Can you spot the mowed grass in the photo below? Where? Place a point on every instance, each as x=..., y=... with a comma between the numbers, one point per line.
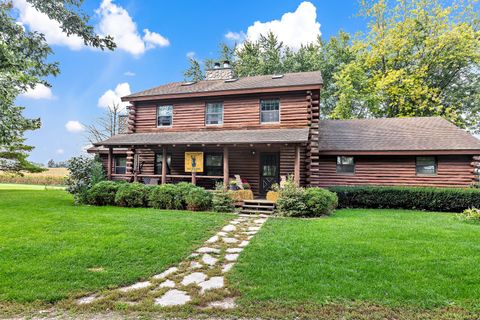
x=15, y=186
x=51, y=249
x=391, y=258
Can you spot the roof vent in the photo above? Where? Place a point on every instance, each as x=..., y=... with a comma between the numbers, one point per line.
x=231, y=80
x=216, y=65
x=189, y=83
x=277, y=76
x=226, y=64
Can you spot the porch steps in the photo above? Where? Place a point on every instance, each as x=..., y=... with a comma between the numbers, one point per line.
x=258, y=207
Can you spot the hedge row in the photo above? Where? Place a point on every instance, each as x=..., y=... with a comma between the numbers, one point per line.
x=416, y=198
x=181, y=196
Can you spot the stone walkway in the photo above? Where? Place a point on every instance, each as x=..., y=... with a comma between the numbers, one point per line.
x=199, y=280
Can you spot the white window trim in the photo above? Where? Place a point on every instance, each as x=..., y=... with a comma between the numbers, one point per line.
x=223, y=115
x=156, y=118
x=279, y=112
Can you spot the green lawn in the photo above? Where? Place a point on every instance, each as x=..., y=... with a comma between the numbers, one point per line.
x=15, y=186
x=48, y=245
x=391, y=258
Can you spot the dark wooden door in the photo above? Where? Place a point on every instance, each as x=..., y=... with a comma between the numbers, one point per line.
x=269, y=170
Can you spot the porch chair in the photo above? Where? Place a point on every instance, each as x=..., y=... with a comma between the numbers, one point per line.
x=151, y=181
x=283, y=180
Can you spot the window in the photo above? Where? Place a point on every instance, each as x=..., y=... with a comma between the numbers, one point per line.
x=345, y=165
x=158, y=163
x=120, y=165
x=164, y=116
x=269, y=110
x=213, y=164
x=426, y=165
x=214, y=113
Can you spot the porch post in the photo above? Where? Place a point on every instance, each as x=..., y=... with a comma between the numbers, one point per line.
x=296, y=172
x=109, y=164
x=130, y=170
x=164, y=164
x=225, y=167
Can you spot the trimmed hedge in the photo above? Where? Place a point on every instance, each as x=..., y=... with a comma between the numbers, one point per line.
x=132, y=195
x=103, y=193
x=415, y=198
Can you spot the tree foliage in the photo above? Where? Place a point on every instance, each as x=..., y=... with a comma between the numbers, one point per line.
x=417, y=58
x=24, y=65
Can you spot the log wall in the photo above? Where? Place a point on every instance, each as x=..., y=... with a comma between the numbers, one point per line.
x=240, y=112
x=452, y=171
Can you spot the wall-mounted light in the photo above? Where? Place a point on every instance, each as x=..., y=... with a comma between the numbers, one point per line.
x=253, y=152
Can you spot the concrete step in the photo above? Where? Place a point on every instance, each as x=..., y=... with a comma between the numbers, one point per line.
x=244, y=211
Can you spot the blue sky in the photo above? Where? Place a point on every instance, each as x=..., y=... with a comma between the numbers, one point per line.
x=174, y=29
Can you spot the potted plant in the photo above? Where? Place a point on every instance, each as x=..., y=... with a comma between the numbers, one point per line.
x=233, y=185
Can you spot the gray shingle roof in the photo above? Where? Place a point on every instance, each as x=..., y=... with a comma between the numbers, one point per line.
x=394, y=134
x=209, y=137
x=255, y=82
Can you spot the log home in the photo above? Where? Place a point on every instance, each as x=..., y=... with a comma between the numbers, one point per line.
x=264, y=127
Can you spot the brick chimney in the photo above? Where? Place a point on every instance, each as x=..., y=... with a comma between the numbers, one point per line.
x=219, y=72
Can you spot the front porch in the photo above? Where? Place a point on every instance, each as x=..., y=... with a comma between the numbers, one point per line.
x=258, y=165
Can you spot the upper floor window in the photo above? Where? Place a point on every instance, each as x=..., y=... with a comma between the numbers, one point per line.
x=214, y=113
x=120, y=165
x=269, y=110
x=426, y=165
x=345, y=164
x=165, y=116
x=159, y=163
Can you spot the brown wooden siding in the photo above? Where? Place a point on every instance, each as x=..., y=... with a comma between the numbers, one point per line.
x=239, y=112
x=243, y=160
x=453, y=171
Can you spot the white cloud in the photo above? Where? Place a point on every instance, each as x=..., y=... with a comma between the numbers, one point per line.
x=40, y=22
x=74, y=126
x=235, y=36
x=190, y=54
x=60, y=151
x=293, y=28
x=40, y=91
x=111, y=97
x=116, y=21
x=129, y=74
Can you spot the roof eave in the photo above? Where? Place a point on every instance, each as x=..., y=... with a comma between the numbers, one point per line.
x=401, y=152
x=133, y=98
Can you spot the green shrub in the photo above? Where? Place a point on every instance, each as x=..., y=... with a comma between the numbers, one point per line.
x=183, y=189
x=291, y=200
x=84, y=172
x=470, y=215
x=198, y=199
x=165, y=196
x=417, y=198
x=103, y=193
x=320, y=202
x=132, y=195
x=222, y=201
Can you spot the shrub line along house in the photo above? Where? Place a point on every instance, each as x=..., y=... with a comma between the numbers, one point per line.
x=265, y=127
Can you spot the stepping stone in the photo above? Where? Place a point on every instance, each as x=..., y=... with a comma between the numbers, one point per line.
x=228, y=303
x=208, y=259
x=195, y=277
x=173, y=298
x=167, y=284
x=229, y=228
x=229, y=240
x=208, y=250
x=251, y=233
x=244, y=243
x=250, y=237
x=231, y=257
x=212, y=283
x=195, y=265
x=235, y=222
x=227, y=267
x=194, y=255
x=260, y=221
x=234, y=250
x=222, y=234
x=253, y=228
x=212, y=239
x=166, y=273
x=87, y=300
x=136, y=286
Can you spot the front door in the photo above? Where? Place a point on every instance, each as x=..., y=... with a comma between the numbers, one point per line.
x=269, y=171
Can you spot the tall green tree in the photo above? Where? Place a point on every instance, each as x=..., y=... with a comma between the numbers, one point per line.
x=418, y=58
x=24, y=65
